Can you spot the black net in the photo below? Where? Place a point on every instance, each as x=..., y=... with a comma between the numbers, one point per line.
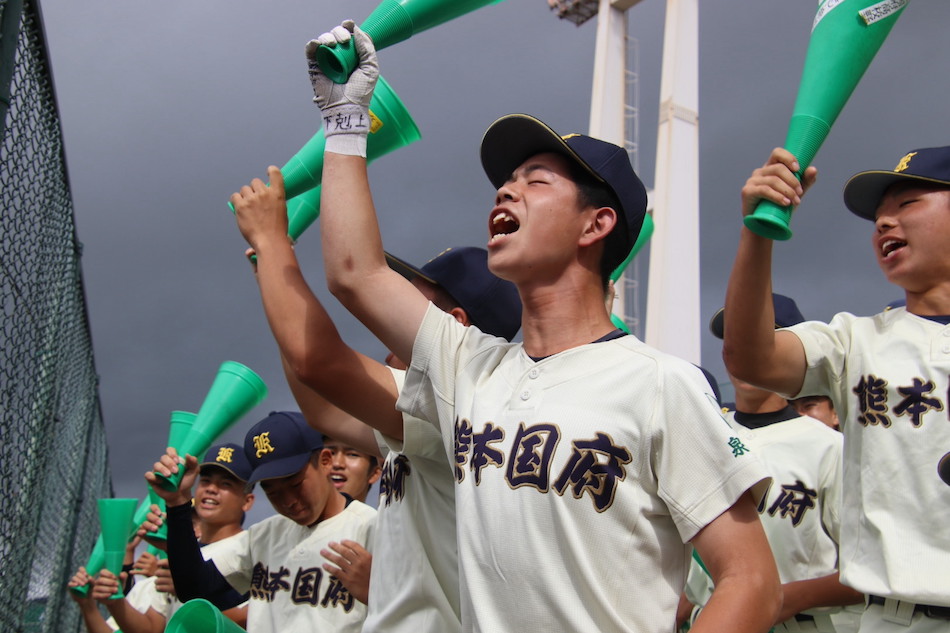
x=53, y=457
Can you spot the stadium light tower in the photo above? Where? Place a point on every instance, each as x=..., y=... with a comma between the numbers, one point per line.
x=673, y=318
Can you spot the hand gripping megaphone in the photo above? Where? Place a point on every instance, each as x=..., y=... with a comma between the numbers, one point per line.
x=235, y=391
x=391, y=128
x=845, y=37
x=115, y=520
x=391, y=22
x=180, y=423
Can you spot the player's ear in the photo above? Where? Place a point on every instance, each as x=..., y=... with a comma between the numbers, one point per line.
x=461, y=316
x=248, y=502
x=374, y=474
x=325, y=458
x=599, y=225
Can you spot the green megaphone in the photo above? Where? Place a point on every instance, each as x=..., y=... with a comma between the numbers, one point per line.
x=94, y=564
x=180, y=423
x=845, y=37
x=392, y=127
x=115, y=519
x=391, y=22
x=200, y=616
x=646, y=232
x=235, y=391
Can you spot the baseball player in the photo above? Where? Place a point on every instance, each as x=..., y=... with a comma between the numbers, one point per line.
x=222, y=498
x=800, y=510
x=278, y=559
x=568, y=449
x=353, y=471
x=887, y=374
x=414, y=585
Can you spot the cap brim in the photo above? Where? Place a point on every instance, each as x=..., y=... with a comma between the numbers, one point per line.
x=279, y=468
x=864, y=191
x=406, y=269
x=716, y=323
x=514, y=138
x=222, y=467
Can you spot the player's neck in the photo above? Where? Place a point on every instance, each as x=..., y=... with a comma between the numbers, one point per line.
x=934, y=301
x=560, y=316
x=213, y=533
x=758, y=401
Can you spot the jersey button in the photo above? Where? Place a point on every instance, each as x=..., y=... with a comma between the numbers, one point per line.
x=525, y=395
x=534, y=373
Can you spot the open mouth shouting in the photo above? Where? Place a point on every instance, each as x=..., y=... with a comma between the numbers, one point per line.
x=502, y=223
x=889, y=246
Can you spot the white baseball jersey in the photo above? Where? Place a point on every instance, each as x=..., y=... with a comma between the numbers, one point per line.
x=800, y=511
x=144, y=594
x=279, y=562
x=580, y=477
x=889, y=376
x=414, y=583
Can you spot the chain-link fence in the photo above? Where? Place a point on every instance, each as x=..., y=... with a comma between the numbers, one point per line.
x=53, y=459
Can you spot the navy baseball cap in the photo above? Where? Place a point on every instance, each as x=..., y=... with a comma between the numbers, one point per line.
x=229, y=457
x=514, y=138
x=280, y=445
x=927, y=166
x=492, y=304
x=786, y=314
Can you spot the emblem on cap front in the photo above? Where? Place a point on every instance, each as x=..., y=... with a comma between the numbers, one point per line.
x=262, y=444
x=225, y=454
x=904, y=162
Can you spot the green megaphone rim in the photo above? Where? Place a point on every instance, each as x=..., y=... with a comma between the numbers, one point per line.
x=236, y=390
x=200, y=616
x=391, y=22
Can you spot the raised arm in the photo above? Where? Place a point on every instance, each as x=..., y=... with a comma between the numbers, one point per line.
x=326, y=375
x=752, y=350
x=355, y=265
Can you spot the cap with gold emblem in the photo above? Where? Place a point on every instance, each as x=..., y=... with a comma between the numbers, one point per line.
x=929, y=166
x=280, y=445
x=229, y=457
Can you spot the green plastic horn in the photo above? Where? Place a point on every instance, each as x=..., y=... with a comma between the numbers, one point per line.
x=646, y=232
x=115, y=519
x=391, y=128
x=845, y=38
x=235, y=391
x=180, y=423
x=200, y=616
x=302, y=211
x=392, y=22
x=94, y=564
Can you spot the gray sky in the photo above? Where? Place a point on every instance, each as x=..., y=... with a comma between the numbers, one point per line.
x=168, y=108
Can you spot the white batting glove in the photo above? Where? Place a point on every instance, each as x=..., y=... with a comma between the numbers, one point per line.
x=345, y=107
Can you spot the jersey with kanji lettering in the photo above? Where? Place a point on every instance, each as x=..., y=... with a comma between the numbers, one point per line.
x=414, y=581
x=888, y=376
x=279, y=562
x=800, y=511
x=580, y=477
